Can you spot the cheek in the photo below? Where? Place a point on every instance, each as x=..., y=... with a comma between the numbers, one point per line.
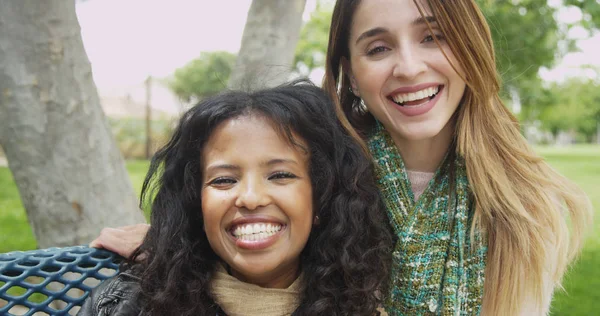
x=445, y=66
x=371, y=78
x=303, y=211
x=457, y=85
x=213, y=211
x=367, y=73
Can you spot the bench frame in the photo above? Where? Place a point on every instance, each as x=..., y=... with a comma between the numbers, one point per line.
x=59, y=274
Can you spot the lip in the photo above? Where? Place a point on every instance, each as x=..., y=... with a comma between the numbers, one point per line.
x=258, y=244
x=414, y=88
x=421, y=109
x=255, y=244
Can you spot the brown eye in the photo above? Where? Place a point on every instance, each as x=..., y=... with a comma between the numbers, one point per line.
x=222, y=181
x=376, y=50
x=282, y=175
x=429, y=38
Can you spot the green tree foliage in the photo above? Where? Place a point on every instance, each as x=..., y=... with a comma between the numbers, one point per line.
x=312, y=46
x=573, y=105
x=591, y=11
x=204, y=76
x=526, y=38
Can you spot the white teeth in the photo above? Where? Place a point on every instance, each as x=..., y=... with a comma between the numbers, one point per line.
x=256, y=231
x=421, y=94
x=254, y=237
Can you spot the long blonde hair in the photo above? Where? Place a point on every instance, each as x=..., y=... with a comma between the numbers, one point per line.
x=521, y=203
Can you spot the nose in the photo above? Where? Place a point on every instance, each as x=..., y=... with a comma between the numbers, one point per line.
x=252, y=194
x=409, y=63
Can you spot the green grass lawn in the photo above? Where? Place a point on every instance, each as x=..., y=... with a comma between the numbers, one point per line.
x=582, y=284
x=15, y=233
x=580, y=163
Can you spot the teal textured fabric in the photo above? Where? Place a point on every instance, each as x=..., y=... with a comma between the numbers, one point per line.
x=438, y=269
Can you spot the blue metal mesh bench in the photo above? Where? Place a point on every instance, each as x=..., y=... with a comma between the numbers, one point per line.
x=53, y=281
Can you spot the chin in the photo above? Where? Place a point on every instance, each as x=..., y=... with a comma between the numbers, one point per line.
x=254, y=271
x=419, y=133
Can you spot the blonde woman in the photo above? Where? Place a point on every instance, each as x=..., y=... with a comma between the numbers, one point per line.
x=480, y=218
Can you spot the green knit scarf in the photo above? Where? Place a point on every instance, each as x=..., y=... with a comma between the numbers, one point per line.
x=437, y=269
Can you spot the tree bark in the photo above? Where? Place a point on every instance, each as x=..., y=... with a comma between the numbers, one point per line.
x=70, y=174
x=268, y=44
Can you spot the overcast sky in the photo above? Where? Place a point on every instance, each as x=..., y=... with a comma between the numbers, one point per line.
x=128, y=40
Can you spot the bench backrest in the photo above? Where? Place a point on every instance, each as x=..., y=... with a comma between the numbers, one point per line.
x=53, y=281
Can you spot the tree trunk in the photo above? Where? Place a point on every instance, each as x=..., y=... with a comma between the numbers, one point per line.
x=268, y=44
x=70, y=174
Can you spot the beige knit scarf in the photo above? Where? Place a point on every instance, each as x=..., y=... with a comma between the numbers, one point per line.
x=237, y=298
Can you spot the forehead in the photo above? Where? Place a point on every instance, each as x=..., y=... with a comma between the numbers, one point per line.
x=251, y=136
x=391, y=14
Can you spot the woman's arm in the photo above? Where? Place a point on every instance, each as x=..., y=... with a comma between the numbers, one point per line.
x=122, y=240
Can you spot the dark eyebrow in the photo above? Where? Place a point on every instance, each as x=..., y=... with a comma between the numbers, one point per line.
x=378, y=30
x=236, y=168
x=421, y=20
x=223, y=166
x=370, y=33
x=280, y=161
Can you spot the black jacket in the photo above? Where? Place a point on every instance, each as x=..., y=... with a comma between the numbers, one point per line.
x=117, y=296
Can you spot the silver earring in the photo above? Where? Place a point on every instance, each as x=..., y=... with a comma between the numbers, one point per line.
x=362, y=106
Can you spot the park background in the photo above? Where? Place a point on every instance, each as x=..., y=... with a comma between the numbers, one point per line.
x=152, y=59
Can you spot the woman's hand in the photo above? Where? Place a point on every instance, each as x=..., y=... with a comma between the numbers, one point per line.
x=122, y=240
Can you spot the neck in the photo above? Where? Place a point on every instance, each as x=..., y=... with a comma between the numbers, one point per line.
x=424, y=155
x=279, y=280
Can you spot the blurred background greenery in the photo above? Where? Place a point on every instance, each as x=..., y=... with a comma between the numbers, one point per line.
x=559, y=110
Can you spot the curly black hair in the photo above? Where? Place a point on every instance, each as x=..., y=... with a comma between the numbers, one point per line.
x=346, y=260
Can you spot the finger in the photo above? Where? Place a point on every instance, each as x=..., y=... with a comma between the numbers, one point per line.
x=109, y=239
x=98, y=242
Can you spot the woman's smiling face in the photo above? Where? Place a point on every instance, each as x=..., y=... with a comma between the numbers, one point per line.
x=256, y=200
x=398, y=70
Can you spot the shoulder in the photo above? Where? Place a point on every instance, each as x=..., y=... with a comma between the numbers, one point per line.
x=115, y=296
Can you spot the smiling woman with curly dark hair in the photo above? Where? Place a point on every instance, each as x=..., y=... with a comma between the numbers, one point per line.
x=261, y=204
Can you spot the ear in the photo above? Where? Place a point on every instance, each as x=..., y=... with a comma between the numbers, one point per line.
x=348, y=72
